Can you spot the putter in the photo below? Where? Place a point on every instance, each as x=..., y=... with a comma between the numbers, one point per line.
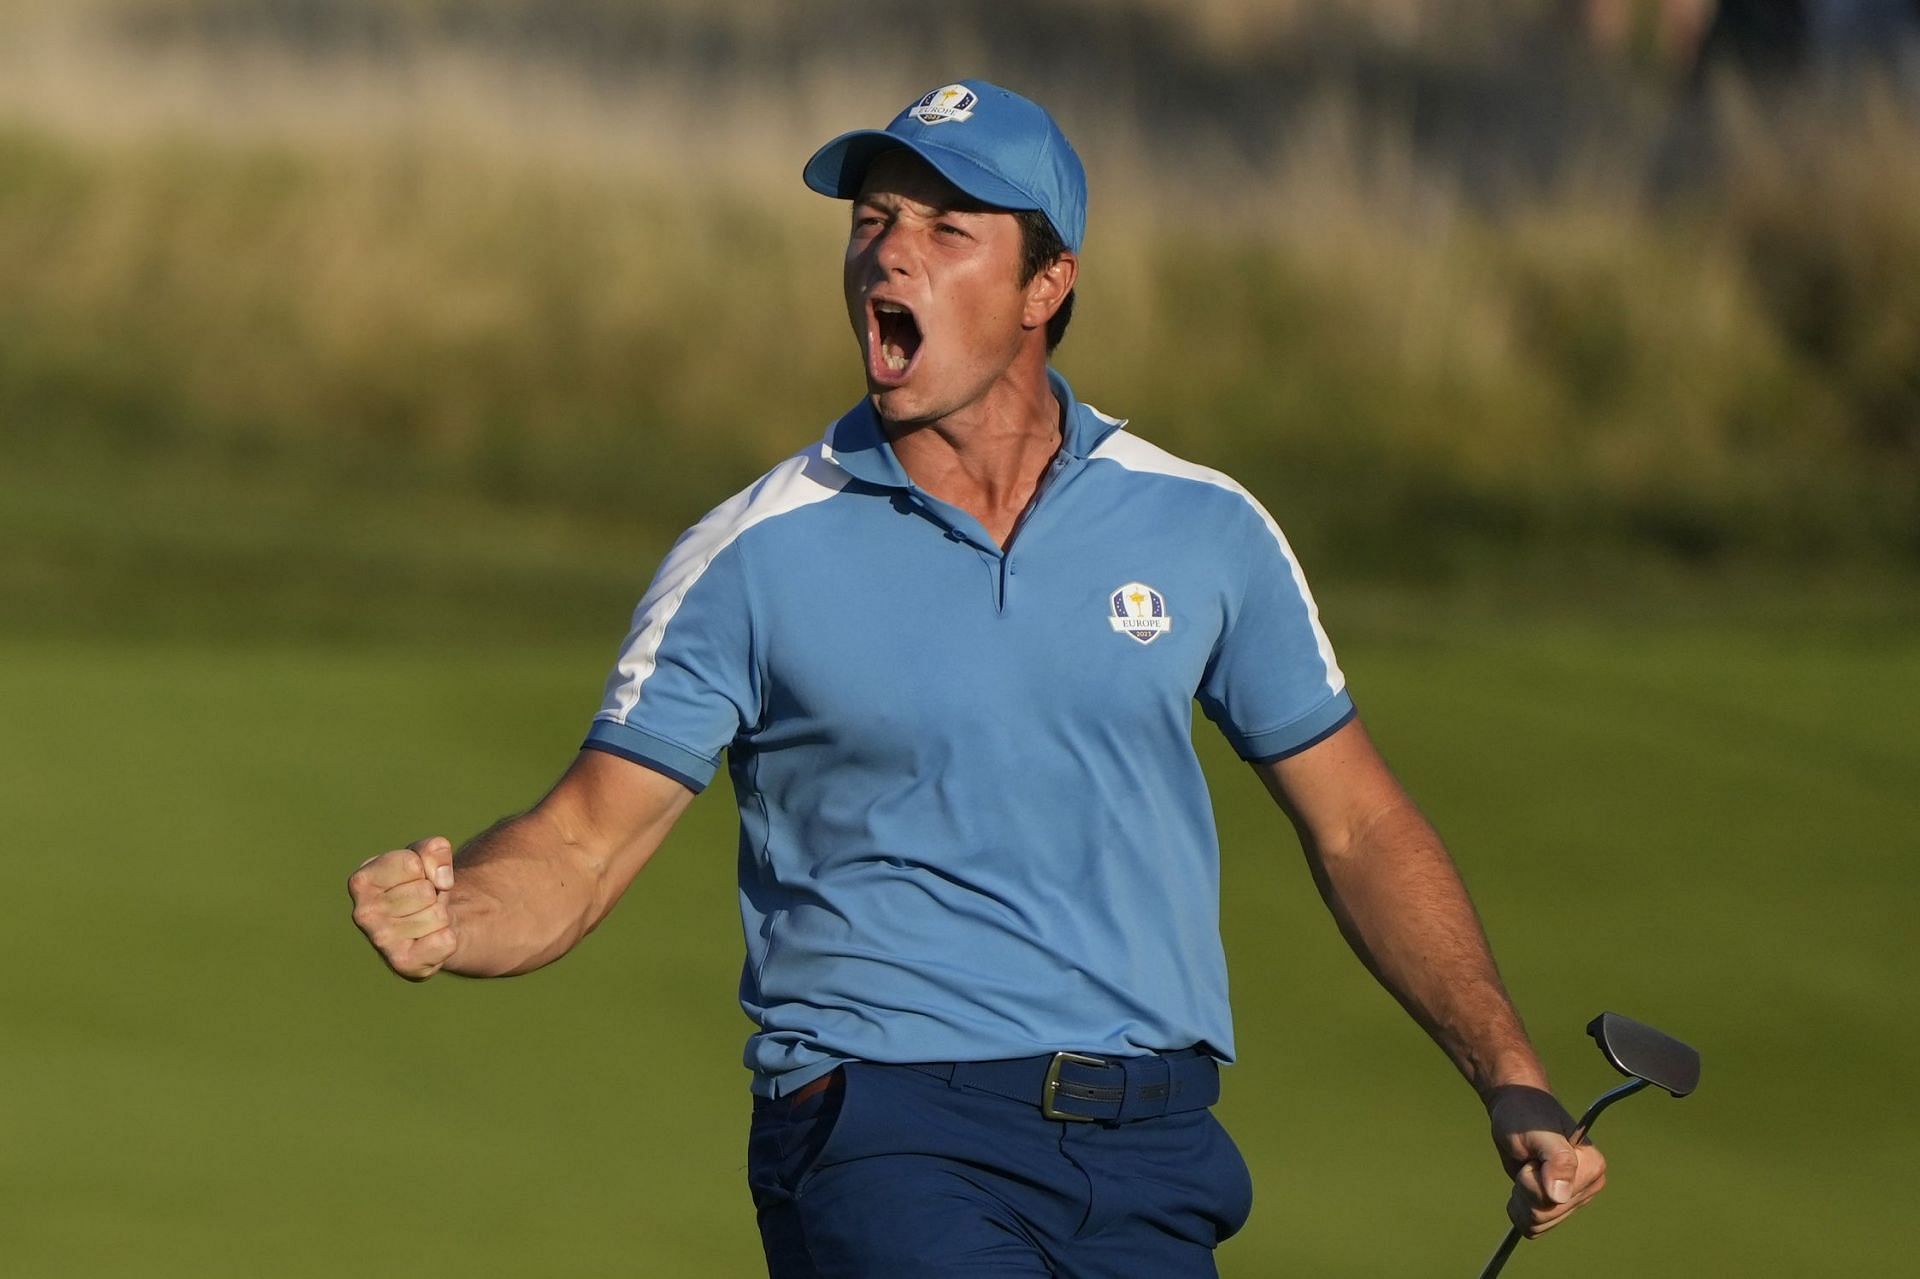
x=1645, y=1056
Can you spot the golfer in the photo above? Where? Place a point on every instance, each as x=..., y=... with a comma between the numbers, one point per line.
x=949, y=653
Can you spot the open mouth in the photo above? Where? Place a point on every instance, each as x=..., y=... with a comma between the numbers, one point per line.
x=896, y=338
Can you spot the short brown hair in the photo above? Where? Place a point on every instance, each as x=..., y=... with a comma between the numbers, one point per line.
x=1040, y=246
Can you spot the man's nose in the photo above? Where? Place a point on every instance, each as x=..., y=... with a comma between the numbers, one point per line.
x=896, y=252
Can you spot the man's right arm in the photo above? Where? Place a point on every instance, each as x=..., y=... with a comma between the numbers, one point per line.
x=524, y=892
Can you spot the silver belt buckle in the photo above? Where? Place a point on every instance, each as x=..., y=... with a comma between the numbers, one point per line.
x=1051, y=1088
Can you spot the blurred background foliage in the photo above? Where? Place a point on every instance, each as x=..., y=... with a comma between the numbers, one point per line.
x=1457, y=290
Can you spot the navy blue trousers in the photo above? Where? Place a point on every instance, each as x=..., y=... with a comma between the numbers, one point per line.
x=892, y=1172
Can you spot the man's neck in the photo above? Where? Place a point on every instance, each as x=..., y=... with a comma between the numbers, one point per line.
x=987, y=459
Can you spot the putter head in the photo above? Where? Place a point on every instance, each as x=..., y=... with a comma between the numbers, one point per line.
x=1644, y=1053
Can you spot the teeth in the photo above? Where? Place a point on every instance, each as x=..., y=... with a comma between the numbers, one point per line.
x=891, y=354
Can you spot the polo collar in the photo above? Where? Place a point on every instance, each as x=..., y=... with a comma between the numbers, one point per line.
x=858, y=444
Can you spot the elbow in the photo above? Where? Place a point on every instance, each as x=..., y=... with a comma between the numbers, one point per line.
x=581, y=870
x=597, y=890
x=1365, y=832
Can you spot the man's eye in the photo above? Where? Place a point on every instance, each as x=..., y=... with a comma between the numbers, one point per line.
x=948, y=228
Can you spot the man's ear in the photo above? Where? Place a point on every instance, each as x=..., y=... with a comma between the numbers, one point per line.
x=1049, y=288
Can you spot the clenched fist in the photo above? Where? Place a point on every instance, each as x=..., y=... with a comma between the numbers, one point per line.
x=402, y=900
x=1551, y=1175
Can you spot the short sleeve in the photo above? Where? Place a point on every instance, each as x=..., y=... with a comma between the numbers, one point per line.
x=685, y=683
x=1272, y=684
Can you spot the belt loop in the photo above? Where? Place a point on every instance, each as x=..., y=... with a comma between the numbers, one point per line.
x=1149, y=1087
x=954, y=1072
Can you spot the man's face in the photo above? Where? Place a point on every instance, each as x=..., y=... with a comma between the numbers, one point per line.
x=933, y=290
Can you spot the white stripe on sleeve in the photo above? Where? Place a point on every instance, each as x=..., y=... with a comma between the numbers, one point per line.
x=1136, y=454
x=798, y=482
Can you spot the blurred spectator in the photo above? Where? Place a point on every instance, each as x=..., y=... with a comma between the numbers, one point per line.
x=1776, y=38
x=1761, y=39
x=1853, y=30
x=1666, y=33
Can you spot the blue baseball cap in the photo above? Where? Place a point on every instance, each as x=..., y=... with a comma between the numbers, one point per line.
x=990, y=142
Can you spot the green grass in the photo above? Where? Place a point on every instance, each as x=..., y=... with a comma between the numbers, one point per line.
x=1705, y=825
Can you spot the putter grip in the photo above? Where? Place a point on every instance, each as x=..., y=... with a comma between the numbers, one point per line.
x=1579, y=1134
x=1513, y=1231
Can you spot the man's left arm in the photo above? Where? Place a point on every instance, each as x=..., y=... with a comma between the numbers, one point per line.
x=1401, y=905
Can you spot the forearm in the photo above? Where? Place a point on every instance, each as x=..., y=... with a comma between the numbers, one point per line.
x=524, y=894
x=1399, y=901
x=1401, y=905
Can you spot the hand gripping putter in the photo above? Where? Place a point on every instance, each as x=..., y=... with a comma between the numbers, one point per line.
x=1642, y=1054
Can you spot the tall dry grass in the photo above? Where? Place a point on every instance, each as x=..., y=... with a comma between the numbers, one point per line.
x=615, y=297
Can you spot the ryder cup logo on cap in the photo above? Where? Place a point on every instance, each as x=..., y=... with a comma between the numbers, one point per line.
x=1139, y=611
x=955, y=102
x=1011, y=155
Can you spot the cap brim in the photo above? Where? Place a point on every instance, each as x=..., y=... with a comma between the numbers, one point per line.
x=838, y=168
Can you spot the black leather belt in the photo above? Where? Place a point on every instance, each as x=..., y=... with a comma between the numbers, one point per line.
x=1083, y=1088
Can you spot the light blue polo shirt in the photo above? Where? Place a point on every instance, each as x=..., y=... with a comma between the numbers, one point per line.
x=972, y=823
